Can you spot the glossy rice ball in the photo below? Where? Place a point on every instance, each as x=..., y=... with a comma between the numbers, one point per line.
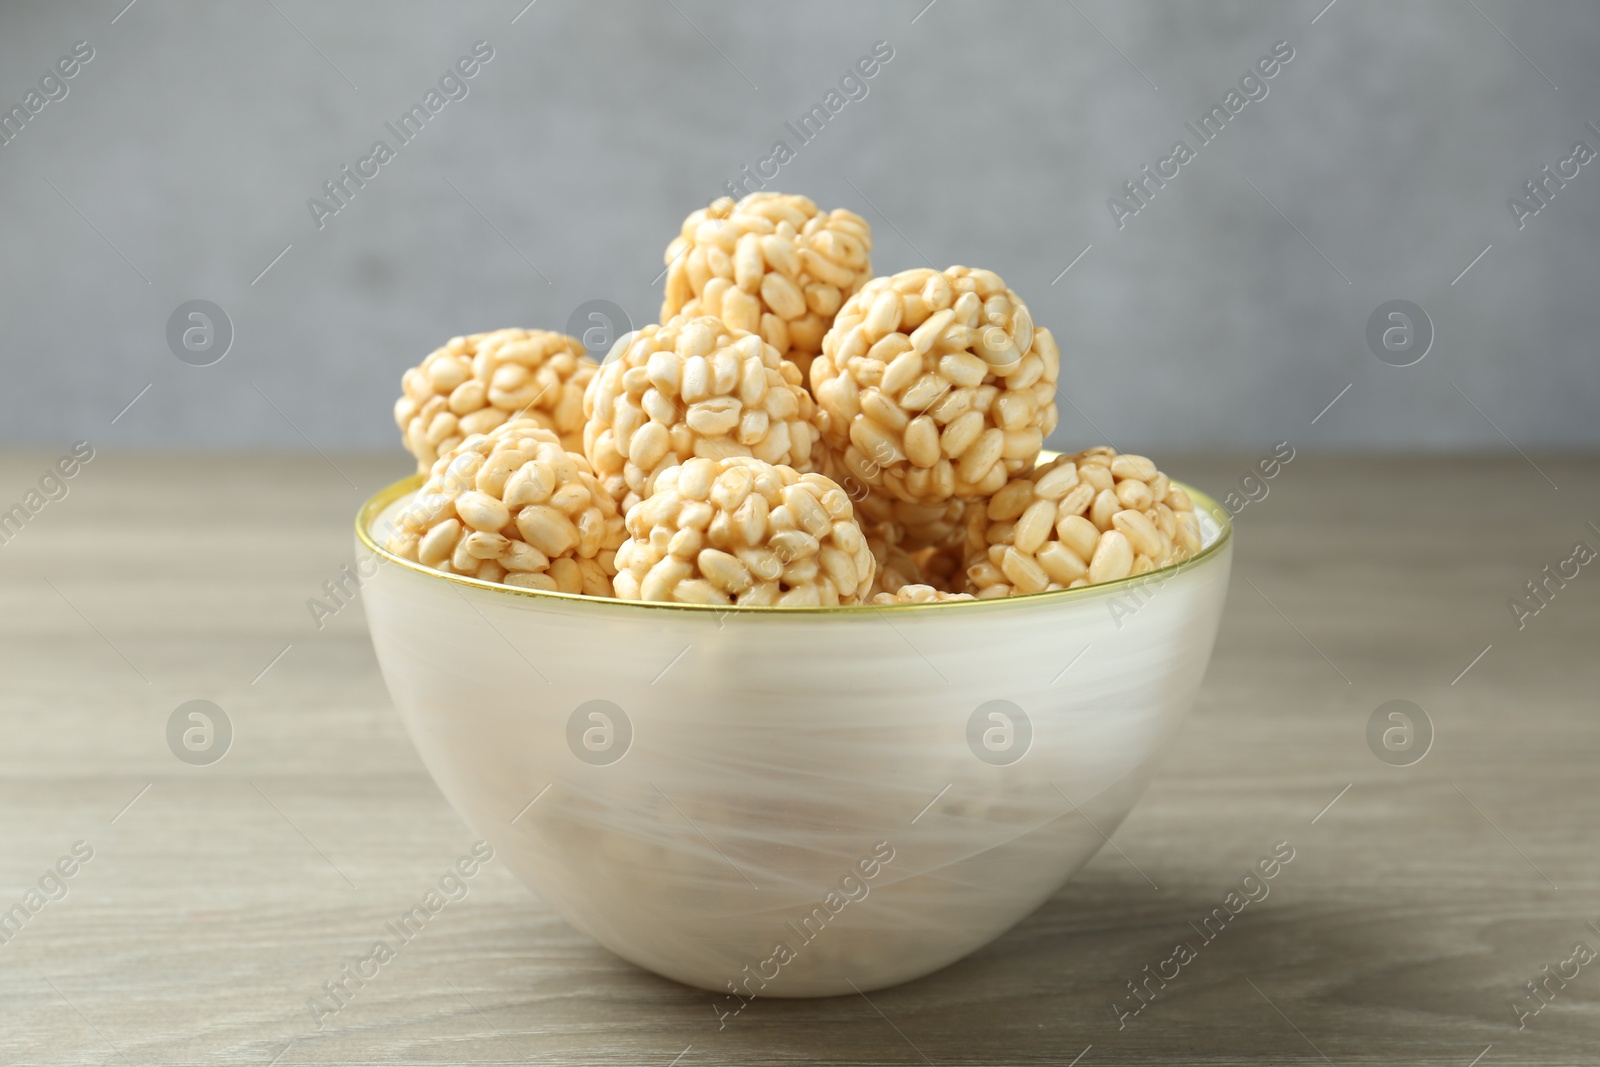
x=513, y=506
x=477, y=382
x=693, y=387
x=1079, y=520
x=742, y=531
x=935, y=385
x=771, y=264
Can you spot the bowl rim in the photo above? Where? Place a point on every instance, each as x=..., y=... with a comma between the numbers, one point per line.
x=383, y=498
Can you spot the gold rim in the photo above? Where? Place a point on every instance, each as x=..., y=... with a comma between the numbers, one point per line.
x=388, y=495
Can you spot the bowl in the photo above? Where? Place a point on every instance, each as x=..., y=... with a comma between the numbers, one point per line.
x=791, y=802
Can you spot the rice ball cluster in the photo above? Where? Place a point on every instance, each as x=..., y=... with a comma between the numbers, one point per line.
x=1079, y=520
x=474, y=383
x=794, y=432
x=742, y=531
x=935, y=386
x=692, y=388
x=514, y=506
x=772, y=264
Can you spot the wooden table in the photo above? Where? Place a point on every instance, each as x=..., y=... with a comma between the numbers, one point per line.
x=220, y=898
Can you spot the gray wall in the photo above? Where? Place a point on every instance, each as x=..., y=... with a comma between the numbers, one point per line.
x=994, y=137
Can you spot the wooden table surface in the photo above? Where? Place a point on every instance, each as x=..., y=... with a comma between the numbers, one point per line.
x=220, y=898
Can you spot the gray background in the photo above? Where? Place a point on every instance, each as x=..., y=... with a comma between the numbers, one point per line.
x=993, y=138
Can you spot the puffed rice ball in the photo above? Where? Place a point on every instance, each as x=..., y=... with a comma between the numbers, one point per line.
x=477, y=382
x=513, y=506
x=935, y=385
x=772, y=264
x=741, y=531
x=919, y=594
x=1079, y=520
x=693, y=387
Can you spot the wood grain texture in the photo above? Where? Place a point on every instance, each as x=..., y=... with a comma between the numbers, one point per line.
x=1415, y=909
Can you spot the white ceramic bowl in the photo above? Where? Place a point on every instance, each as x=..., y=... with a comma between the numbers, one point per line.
x=792, y=802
